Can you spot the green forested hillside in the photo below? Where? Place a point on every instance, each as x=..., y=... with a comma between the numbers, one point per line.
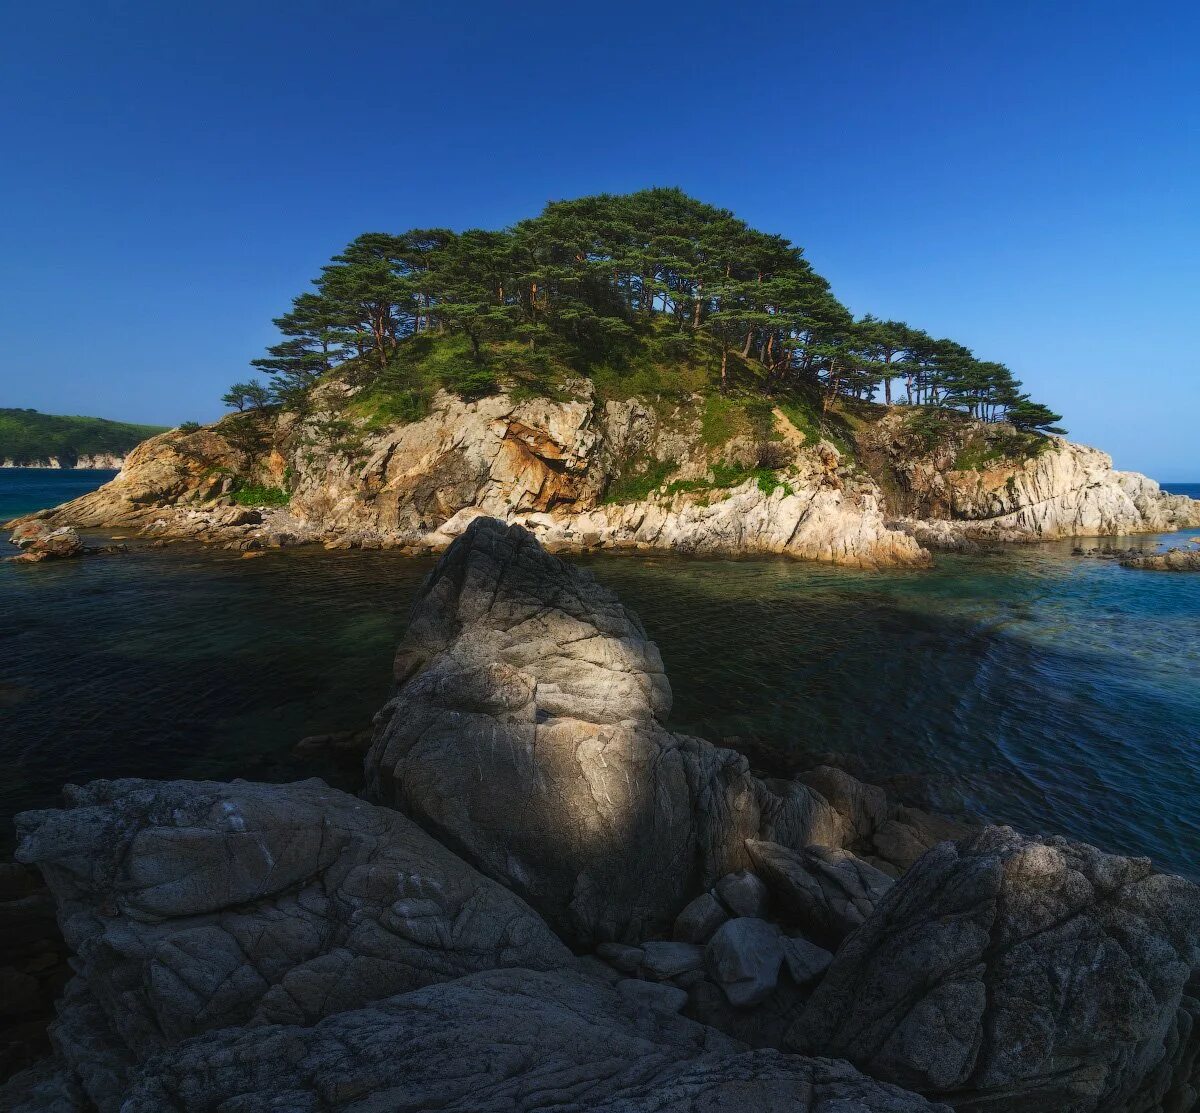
x=27, y=436
x=645, y=293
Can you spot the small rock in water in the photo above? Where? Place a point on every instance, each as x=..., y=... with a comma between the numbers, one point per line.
x=743, y=893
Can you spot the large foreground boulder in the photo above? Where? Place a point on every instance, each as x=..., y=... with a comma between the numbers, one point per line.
x=1004, y=973
x=192, y=906
x=509, y=1040
x=528, y=734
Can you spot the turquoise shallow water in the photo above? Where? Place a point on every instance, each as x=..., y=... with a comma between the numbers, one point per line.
x=1059, y=694
x=23, y=490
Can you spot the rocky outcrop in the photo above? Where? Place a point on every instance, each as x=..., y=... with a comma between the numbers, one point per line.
x=506, y=1040
x=561, y=469
x=1173, y=560
x=528, y=734
x=38, y=541
x=96, y=461
x=193, y=906
x=259, y=948
x=1004, y=972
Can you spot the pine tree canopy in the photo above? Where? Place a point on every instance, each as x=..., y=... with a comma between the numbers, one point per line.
x=615, y=285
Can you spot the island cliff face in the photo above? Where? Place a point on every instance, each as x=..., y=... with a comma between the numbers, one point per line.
x=618, y=474
x=98, y=461
x=552, y=902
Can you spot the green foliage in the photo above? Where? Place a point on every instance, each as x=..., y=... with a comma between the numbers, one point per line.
x=189, y=427
x=651, y=293
x=252, y=494
x=724, y=476
x=639, y=480
x=252, y=395
x=27, y=436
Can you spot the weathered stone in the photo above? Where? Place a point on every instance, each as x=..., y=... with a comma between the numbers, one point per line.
x=667, y=960
x=528, y=681
x=195, y=905
x=621, y=956
x=699, y=919
x=1173, y=560
x=743, y=958
x=825, y=891
x=806, y=962
x=1004, y=972
x=38, y=541
x=502, y=1041
x=654, y=995
x=743, y=894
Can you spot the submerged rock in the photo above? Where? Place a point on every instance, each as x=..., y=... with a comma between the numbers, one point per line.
x=1173, y=560
x=1008, y=973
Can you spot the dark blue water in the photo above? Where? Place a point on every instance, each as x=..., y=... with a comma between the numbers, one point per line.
x=23, y=490
x=1059, y=694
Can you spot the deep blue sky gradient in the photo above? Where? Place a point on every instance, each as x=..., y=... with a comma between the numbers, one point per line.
x=1022, y=177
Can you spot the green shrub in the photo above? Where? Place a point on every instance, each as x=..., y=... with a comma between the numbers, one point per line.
x=252, y=494
x=642, y=477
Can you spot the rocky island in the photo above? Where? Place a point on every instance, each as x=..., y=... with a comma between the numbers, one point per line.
x=547, y=899
x=633, y=372
x=561, y=469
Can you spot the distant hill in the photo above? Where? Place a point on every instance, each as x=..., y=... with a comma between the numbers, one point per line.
x=31, y=438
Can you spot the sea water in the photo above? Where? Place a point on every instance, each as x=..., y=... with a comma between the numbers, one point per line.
x=1026, y=685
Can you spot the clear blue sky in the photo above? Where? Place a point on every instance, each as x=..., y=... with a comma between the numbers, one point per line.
x=1023, y=177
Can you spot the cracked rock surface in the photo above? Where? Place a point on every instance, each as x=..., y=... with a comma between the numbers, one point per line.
x=528, y=736
x=506, y=1040
x=1008, y=973
x=193, y=906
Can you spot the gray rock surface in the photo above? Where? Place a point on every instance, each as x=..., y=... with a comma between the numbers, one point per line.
x=664, y=961
x=510, y=1040
x=1008, y=973
x=527, y=734
x=743, y=894
x=743, y=958
x=805, y=961
x=825, y=891
x=194, y=905
x=699, y=919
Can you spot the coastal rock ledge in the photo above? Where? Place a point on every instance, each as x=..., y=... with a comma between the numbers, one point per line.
x=628, y=474
x=551, y=901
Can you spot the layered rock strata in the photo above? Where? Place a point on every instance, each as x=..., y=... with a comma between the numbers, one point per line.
x=562, y=469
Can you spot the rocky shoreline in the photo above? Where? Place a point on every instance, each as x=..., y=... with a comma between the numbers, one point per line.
x=587, y=474
x=547, y=899
x=102, y=461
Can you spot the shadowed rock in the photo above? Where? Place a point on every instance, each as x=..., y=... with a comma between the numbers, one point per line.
x=508, y=1040
x=822, y=890
x=528, y=735
x=195, y=905
x=1008, y=973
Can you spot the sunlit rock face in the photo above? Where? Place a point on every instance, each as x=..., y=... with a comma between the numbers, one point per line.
x=528, y=734
x=192, y=905
x=1003, y=972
